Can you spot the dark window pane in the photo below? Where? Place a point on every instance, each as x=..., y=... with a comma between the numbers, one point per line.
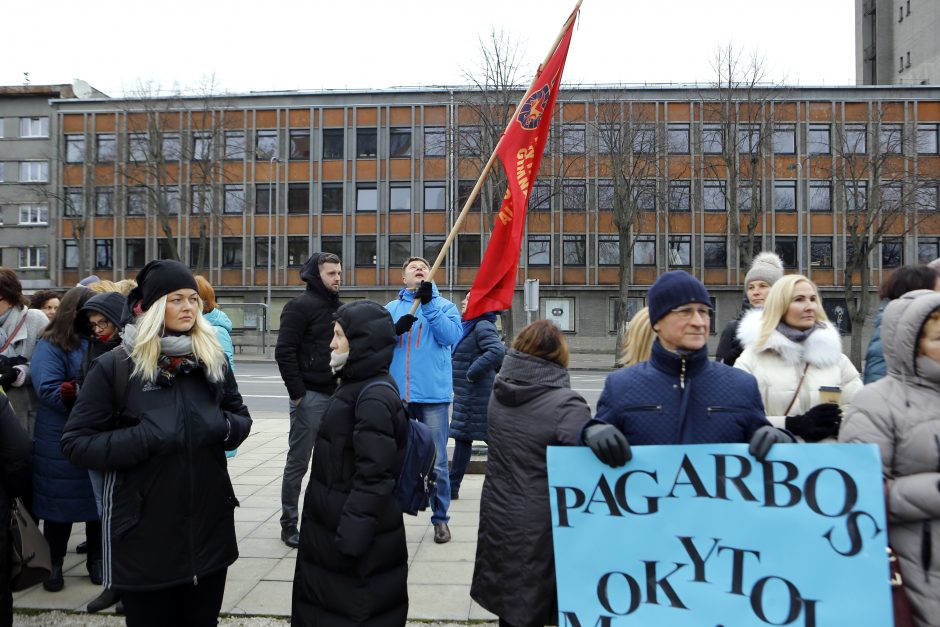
x=574, y=197
x=104, y=253
x=679, y=196
x=605, y=197
x=266, y=145
x=785, y=247
x=298, y=251
x=573, y=250
x=333, y=143
x=468, y=251
x=104, y=202
x=332, y=198
x=470, y=141
x=892, y=252
x=677, y=139
x=463, y=193
x=432, y=248
x=820, y=196
x=435, y=142
x=572, y=139
x=332, y=245
x=818, y=140
x=644, y=250
x=785, y=196
x=820, y=252
x=715, y=252
x=643, y=139
x=366, y=143
x=231, y=252
x=539, y=249
x=399, y=142
x=365, y=251
x=264, y=198
x=680, y=250
x=608, y=250
x=399, y=249
x=106, y=147
x=713, y=196
x=300, y=144
x=262, y=250
x=134, y=253
x=298, y=198
x=927, y=250
x=540, y=198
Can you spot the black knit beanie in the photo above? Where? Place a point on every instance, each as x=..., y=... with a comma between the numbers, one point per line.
x=158, y=278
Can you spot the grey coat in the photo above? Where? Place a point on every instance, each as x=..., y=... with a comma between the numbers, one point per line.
x=23, y=398
x=901, y=414
x=532, y=407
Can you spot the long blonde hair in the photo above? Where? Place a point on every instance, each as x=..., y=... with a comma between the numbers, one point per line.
x=778, y=301
x=638, y=343
x=146, y=352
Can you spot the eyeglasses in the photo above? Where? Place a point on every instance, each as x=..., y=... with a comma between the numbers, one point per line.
x=686, y=313
x=99, y=326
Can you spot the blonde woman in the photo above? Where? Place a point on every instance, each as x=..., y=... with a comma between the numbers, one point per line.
x=638, y=344
x=795, y=353
x=168, y=504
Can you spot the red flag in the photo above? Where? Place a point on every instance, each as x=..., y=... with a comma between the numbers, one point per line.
x=520, y=153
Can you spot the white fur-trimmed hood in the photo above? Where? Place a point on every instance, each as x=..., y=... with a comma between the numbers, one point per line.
x=823, y=348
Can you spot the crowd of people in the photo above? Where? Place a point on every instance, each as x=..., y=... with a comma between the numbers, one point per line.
x=141, y=461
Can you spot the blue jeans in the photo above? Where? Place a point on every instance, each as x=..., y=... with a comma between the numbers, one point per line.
x=434, y=415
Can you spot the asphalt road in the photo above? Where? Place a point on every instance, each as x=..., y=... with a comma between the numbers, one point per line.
x=263, y=390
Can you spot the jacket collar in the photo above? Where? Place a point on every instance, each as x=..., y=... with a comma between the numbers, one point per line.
x=823, y=348
x=680, y=365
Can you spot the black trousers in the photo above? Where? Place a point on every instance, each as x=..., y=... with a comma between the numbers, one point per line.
x=57, y=535
x=185, y=605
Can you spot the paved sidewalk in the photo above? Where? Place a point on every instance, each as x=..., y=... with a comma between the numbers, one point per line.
x=259, y=583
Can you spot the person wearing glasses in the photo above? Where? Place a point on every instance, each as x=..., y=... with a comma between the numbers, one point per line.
x=796, y=355
x=679, y=396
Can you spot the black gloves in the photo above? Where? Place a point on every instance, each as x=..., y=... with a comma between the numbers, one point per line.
x=8, y=373
x=404, y=324
x=821, y=421
x=425, y=292
x=608, y=443
x=764, y=438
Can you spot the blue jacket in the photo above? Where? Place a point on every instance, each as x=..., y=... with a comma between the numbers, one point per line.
x=223, y=332
x=476, y=359
x=61, y=491
x=875, y=366
x=421, y=365
x=662, y=402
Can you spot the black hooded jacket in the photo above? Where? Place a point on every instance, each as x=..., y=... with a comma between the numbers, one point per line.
x=111, y=306
x=303, y=342
x=352, y=564
x=729, y=347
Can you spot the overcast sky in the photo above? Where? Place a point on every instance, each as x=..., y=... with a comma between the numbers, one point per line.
x=262, y=45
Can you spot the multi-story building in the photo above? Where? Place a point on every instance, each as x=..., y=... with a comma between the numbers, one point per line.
x=27, y=182
x=896, y=42
x=379, y=176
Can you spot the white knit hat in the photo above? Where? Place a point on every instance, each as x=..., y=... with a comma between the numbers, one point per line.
x=765, y=267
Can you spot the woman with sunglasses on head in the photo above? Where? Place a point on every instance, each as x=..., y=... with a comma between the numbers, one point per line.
x=795, y=354
x=158, y=424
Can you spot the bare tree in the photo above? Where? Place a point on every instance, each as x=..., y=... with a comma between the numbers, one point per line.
x=883, y=195
x=738, y=130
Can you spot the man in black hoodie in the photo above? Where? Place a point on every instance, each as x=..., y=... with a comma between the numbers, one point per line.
x=303, y=357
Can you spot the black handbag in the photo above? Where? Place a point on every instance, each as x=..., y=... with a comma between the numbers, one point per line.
x=30, y=561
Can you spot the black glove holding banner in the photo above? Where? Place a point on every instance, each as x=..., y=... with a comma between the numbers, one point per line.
x=425, y=292
x=8, y=373
x=404, y=324
x=821, y=421
x=609, y=444
x=766, y=437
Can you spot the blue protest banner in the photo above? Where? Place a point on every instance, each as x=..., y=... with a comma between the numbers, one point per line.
x=708, y=536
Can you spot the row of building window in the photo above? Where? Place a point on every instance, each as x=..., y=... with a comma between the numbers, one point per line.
x=538, y=252
x=677, y=196
x=29, y=171
x=643, y=139
x=30, y=128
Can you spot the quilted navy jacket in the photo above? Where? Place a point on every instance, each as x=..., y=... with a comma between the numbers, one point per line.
x=682, y=399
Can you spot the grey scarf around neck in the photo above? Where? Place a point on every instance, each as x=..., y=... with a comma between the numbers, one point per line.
x=796, y=335
x=171, y=345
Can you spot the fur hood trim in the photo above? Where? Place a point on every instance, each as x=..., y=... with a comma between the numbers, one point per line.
x=823, y=348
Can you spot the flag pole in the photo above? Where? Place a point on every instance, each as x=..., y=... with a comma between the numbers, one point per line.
x=492, y=160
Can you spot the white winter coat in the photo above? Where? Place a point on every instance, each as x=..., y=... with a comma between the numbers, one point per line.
x=779, y=364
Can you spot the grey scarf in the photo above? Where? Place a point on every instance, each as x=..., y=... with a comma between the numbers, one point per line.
x=796, y=335
x=171, y=345
x=3, y=333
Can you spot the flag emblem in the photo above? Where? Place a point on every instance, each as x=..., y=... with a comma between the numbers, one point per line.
x=531, y=113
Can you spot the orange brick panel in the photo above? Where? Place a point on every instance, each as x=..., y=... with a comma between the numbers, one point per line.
x=73, y=123
x=471, y=223
x=645, y=275
x=715, y=167
x=574, y=166
x=103, y=228
x=70, y=277
x=679, y=166
x=367, y=116
x=716, y=222
x=466, y=276
x=785, y=167
x=233, y=120
x=678, y=111
x=469, y=168
x=300, y=225
x=332, y=225
x=104, y=175
x=366, y=169
x=786, y=222
x=435, y=115
x=401, y=116
x=104, y=122
x=136, y=122
x=434, y=169
x=233, y=171
x=135, y=227
x=824, y=277
x=68, y=229
x=73, y=175
x=399, y=223
x=266, y=118
x=820, y=223
x=608, y=276
x=856, y=112
x=466, y=115
x=574, y=276
x=231, y=277
x=298, y=171
x=261, y=225
x=574, y=222
x=364, y=276
x=820, y=112
x=544, y=275
x=201, y=120
x=365, y=223
x=539, y=221
x=680, y=223
x=172, y=173
x=892, y=112
x=647, y=222
x=786, y=112
x=928, y=112
x=434, y=223
x=299, y=118
x=574, y=112
x=603, y=167
x=170, y=121
x=605, y=222
x=333, y=118
x=715, y=276
x=930, y=224
x=928, y=167
x=332, y=170
x=400, y=169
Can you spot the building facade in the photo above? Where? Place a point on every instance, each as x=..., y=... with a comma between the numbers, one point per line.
x=243, y=188
x=896, y=42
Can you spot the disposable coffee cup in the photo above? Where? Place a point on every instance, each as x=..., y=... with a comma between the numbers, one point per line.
x=830, y=394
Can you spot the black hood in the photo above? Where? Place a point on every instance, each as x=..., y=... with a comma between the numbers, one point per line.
x=524, y=377
x=310, y=273
x=371, y=335
x=109, y=304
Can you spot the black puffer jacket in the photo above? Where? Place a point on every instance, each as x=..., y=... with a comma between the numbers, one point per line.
x=15, y=480
x=729, y=347
x=352, y=566
x=168, y=503
x=303, y=341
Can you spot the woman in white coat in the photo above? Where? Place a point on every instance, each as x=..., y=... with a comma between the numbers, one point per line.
x=794, y=352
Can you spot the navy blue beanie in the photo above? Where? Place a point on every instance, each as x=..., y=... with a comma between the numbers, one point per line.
x=675, y=289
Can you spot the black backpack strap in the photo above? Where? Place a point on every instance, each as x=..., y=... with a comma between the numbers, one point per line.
x=372, y=385
x=120, y=375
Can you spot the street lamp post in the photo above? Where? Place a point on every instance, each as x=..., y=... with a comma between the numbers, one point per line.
x=270, y=222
